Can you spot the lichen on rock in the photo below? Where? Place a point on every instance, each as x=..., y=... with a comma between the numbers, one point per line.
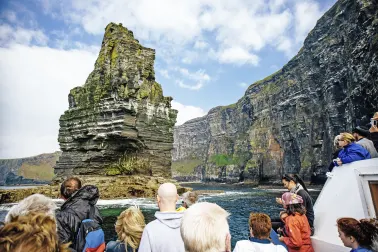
x=120, y=109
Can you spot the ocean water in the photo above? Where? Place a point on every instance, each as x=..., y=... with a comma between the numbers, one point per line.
x=238, y=200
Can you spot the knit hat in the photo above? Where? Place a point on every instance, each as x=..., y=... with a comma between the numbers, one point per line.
x=362, y=131
x=289, y=198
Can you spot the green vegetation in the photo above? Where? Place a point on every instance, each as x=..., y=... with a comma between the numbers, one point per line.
x=231, y=106
x=114, y=56
x=129, y=164
x=270, y=88
x=268, y=78
x=43, y=171
x=224, y=159
x=186, y=167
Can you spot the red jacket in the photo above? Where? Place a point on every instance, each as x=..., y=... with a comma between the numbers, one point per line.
x=298, y=233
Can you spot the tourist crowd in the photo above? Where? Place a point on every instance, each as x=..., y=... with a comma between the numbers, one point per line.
x=35, y=223
x=361, y=144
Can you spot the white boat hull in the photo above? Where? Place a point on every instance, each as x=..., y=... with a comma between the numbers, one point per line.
x=345, y=194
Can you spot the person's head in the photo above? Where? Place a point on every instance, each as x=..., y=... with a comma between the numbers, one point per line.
x=259, y=225
x=293, y=203
x=336, y=141
x=167, y=197
x=204, y=228
x=69, y=187
x=345, y=139
x=36, y=203
x=129, y=227
x=354, y=233
x=189, y=198
x=360, y=132
x=32, y=232
x=291, y=181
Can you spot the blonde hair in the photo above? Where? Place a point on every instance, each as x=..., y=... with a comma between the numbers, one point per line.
x=33, y=232
x=190, y=198
x=204, y=228
x=347, y=137
x=33, y=203
x=129, y=227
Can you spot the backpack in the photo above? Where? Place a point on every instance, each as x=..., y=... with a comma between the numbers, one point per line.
x=90, y=236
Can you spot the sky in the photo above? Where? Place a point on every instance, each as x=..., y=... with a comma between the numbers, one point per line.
x=207, y=53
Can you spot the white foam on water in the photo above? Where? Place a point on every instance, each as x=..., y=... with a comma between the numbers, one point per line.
x=282, y=190
x=141, y=202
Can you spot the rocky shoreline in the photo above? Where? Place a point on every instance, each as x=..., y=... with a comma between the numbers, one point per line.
x=110, y=187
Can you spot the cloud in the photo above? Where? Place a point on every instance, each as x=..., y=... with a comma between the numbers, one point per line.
x=196, y=86
x=200, y=44
x=187, y=112
x=182, y=27
x=10, y=16
x=34, y=83
x=200, y=77
x=238, y=56
x=20, y=35
x=165, y=74
x=306, y=14
x=243, y=85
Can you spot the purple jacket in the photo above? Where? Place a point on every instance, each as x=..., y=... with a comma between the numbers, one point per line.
x=353, y=152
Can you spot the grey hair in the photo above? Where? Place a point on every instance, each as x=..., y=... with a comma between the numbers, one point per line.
x=33, y=203
x=190, y=198
x=204, y=228
x=336, y=141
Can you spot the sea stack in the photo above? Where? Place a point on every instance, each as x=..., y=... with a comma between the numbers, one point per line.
x=119, y=118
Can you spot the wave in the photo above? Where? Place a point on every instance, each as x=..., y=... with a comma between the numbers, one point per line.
x=148, y=203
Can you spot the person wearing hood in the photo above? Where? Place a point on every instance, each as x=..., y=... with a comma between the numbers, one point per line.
x=296, y=233
x=361, y=136
x=78, y=203
x=163, y=234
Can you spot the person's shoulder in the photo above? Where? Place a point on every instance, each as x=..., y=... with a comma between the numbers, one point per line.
x=244, y=244
x=280, y=248
x=115, y=246
x=152, y=224
x=303, y=194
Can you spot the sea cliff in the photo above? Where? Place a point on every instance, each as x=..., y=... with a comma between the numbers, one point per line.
x=286, y=122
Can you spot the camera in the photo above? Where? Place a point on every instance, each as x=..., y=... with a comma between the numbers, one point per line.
x=373, y=122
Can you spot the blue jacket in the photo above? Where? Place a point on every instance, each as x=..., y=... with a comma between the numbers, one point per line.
x=353, y=152
x=117, y=246
x=361, y=249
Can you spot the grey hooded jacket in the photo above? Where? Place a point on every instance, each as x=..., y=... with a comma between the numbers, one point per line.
x=369, y=146
x=163, y=234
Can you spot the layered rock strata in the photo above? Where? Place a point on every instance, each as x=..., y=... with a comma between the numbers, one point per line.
x=286, y=122
x=120, y=111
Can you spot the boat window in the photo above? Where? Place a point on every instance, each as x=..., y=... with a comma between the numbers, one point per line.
x=373, y=185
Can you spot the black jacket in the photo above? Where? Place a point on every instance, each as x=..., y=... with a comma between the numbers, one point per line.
x=307, y=202
x=74, y=210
